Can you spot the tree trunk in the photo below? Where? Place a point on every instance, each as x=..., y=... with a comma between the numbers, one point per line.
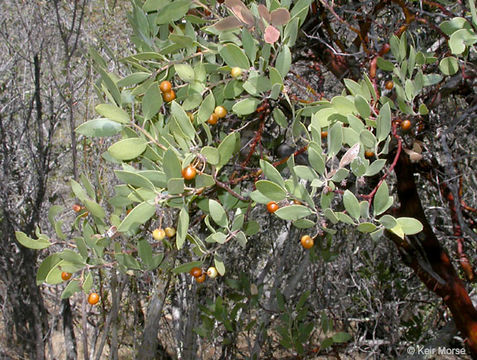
x=150, y=342
x=430, y=261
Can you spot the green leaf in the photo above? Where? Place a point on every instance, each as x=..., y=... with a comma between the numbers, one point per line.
x=204, y=180
x=383, y=123
x=175, y=186
x=133, y=79
x=41, y=243
x=409, y=226
x=283, y=62
x=182, y=119
x=110, y=85
x=341, y=337
x=457, y=23
x=362, y=106
x=272, y=173
x=71, y=256
x=385, y=65
x=423, y=110
x=219, y=264
x=112, y=112
x=366, y=227
x=271, y=190
x=388, y=221
x=182, y=227
x=409, y=90
x=344, y=218
x=432, y=79
x=316, y=161
x=397, y=230
x=249, y=45
x=173, y=11
x=78, y=190
x=206, y=108
x=185, y=268
x=279, y=117
x=375, y=167
x=246, y=106
x=449, y=66
x=127, y=149
x=171, y=164
x=145, y=252
x=460, y=39
x=303, y=223
x=305, y=172
x=54, y=275
x=227, y=148
x=99, y=128
x=367, y=138
x=251, y=228
x=138, y=216
x=234, y=56
x=185, y=72
x=217, y=213
x=152, y=101
x=353, y=87
x=94, y=208
x=88, y=283
x=382, y=201
x=73, y=287
x=211, y=154
x=335, y=139
x=293, y=212
x=351, y=204
x=134, y=179
x=47, y=264
x=217, y=237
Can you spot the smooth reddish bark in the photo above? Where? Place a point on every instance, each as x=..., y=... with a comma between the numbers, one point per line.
x=430, y=261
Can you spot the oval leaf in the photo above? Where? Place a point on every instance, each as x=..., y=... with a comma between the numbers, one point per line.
x=138, y=216
x=234, y=56
x=99, y=128
x=293, y=212
x=128, y=149
x=271, y=190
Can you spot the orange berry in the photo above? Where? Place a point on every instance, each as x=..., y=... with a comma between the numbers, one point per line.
x=169, y=96
x=272, y=206
x=195, y=271
x=93, y=298
x=65, y=275
x=189, y=172
x=406, y=125
x=307, y=241
x=368, y=153
x=165, y=86
x=389, y=85
x=324, y=134
x=77, y=208
x=213, y=118
x=220, y=111
x=200, y=279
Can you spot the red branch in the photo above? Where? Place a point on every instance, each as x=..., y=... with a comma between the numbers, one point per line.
x=463, y=259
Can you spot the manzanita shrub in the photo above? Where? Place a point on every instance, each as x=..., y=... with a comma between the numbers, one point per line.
x=193, y=46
